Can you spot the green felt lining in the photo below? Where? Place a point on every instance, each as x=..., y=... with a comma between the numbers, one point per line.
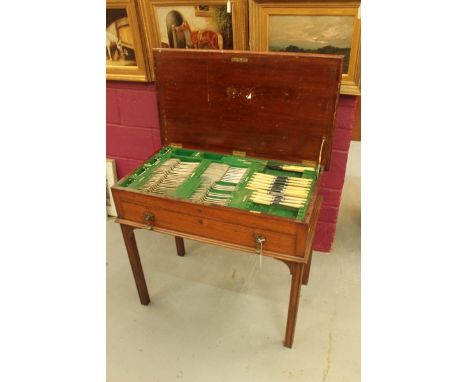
x=240, y=196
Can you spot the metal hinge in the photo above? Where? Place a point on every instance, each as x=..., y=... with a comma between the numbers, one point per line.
x=175, y=144
x=319, y=165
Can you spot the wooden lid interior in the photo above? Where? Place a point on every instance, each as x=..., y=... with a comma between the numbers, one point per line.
x=269, y=105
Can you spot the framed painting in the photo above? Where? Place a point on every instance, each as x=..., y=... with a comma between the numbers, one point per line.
x=125, y=50
x=111, y=179
x=209, y=24
x=310, y=27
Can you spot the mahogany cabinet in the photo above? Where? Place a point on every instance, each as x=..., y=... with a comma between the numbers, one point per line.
x=269, y=106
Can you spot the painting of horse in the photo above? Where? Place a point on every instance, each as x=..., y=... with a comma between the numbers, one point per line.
x=120, y=48
x=193, y=27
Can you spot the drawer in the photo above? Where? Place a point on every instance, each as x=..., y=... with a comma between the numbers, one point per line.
x=207, y=228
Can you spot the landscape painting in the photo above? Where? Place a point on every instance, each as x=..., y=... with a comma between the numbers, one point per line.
x=120, y=49
x=195, y=26
x=312, y=34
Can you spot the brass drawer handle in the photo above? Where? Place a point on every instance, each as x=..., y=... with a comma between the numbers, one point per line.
x=149, y=219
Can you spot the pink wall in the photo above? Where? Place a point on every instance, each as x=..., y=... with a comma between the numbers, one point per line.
x=133, y=135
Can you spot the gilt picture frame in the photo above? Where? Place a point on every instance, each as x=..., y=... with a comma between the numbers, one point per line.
x=195, y=24
x=126, y=55
x=308, y=26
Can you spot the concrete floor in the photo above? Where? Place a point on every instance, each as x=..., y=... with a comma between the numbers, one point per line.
x=216, y=316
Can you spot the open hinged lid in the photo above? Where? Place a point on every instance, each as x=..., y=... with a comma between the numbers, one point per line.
x=268, y=105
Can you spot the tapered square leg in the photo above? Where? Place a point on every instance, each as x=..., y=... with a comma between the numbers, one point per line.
x=310, y=239
x=296, y=282
x=180, y=246
x=134, y=257
x=306, y=272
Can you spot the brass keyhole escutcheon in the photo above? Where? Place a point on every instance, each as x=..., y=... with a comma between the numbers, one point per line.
x=149, y=219
x=260, y=240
